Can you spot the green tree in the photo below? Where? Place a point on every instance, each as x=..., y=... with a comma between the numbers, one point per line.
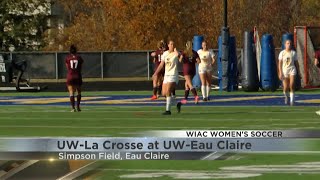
x=23, y=23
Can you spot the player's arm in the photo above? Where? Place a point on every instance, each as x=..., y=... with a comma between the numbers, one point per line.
x=154, y=54
x=197, y=57
x=66, y=63
x=213, y=58
x=181, y=58
x=158, y=69
x=280, y=66
x=280, y=69
x=316, y=59
x=81, y=62
x=198, y=60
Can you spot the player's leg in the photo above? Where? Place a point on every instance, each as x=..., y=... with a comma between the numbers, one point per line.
x=71, y=95
x=167, y=93
x=292, y=88
x=203, y=85
x=159, y=85
x=186, y=90
x=155, y=85
x=208, y=82
x=285, y=84
x=78, y=88
x=164, y=89
x=193, y=89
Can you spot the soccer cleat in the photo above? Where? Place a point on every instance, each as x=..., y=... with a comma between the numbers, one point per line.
x=196, y=99
x=208, y=98
x=78, y=109
x=73, y=110
x=184, y=101
x=179, y=107
x=154, y=97
x=318, y=112
x=205, y=99
x=167, y=113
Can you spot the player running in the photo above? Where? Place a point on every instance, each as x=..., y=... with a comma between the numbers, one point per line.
x=74, y=78
x=207, y=59
x=189, y=58
x=169, y=60
x=288, y=68
x=158, y=78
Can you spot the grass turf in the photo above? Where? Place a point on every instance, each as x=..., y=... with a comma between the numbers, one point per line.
x=101, y=121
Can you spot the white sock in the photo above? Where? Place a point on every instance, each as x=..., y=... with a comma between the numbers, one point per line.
x=203, y=91
x=291, y=97
x=208, y=90
x=285, y=94
x=168, y=105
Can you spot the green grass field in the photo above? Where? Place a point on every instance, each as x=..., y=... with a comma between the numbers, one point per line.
x=125, y=121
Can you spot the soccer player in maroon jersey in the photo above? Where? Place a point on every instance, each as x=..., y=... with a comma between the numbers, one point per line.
x=189, y=58
x=317, y=64
x=74, y=78
x=157, y=79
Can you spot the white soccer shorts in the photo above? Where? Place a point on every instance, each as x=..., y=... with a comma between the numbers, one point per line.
x=170, y=79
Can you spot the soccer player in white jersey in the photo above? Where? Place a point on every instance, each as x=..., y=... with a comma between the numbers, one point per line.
x=288, y=69
x=170, y=60
x=207, y=59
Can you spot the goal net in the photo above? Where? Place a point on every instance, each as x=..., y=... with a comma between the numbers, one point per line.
x=307, y=41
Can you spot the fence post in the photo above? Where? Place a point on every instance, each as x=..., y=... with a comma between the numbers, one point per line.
x=57, y=70
x=148, y=63
x=101, y=64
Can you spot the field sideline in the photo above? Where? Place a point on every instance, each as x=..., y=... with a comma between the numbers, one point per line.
x=21, y=120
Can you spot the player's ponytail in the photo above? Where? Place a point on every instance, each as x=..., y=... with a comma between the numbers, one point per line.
x=188, y=49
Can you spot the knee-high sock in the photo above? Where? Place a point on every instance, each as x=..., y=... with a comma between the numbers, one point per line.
x=78, y=100
x=158, y=90
x=204, y=91
x=155, y=91
x=291, y=97
x=285, y=94
x=168, y=103
x=194, y=92
x=208, y=90
x=186, y=93
x=72, y=101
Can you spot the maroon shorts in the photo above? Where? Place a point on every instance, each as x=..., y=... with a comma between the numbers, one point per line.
x=189, y=72
x=74, y=81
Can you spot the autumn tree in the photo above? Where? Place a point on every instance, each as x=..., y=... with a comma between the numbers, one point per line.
x=139, y=24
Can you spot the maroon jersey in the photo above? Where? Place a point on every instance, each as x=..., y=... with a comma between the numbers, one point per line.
x=189, y=63
x=317, y=55
x=157, y=61
x=74, y=66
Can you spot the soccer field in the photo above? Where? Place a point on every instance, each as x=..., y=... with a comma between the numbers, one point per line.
x=111, y=114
